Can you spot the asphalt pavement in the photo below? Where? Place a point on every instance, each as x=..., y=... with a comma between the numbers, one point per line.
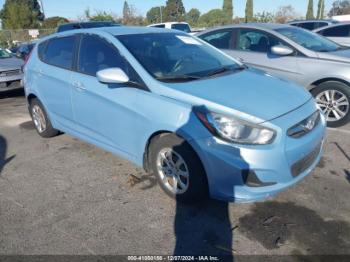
x=63, y=196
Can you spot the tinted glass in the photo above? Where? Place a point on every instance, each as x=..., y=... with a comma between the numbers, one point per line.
x=309, y=40
x=256, y=41
x=181, y=27
x=308, y=25
x=158, y=26
x=175, y=55
x=320, y=24
x=60, y=52
x=220, y=39
x=96, y=54
x=337, y=31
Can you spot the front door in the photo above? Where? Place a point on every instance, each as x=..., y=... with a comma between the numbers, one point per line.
x=104, y=113
x=253, y=47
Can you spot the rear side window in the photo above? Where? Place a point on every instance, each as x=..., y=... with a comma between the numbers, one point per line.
x=337, y=31
x=220, y=39
x=42, y=49
x=308, y=26
x=60, y=52
x=158, y=26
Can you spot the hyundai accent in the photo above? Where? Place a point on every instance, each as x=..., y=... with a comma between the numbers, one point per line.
x=200, y=121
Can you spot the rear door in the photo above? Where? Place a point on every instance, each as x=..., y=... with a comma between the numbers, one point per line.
x=339, y=34
x=54, y=77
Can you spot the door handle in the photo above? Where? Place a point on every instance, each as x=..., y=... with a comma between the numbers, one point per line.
x=79, y=85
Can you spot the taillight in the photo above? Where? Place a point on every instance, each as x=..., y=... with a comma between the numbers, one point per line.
x=26, y=59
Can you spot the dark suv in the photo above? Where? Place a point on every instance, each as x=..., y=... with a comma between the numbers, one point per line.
x=81, y=25
x=312, y=24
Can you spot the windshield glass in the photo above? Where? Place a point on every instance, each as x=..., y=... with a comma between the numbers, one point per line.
x=309, y=40
x=178, y=56
x=181, y=27
x=4, y=54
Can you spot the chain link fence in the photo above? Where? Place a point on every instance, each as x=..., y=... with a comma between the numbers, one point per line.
x=9, y=38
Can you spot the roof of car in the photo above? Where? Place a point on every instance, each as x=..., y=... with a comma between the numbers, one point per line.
x=128, y=30
x=263, y=26
x=313, y=20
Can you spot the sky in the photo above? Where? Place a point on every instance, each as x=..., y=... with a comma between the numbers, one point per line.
x=74, y=8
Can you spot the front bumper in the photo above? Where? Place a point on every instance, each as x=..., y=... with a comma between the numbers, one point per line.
x=11, y=82
x=273, y=165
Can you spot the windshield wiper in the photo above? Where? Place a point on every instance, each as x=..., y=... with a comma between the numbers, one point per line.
x=225, y=69
x=178, y=78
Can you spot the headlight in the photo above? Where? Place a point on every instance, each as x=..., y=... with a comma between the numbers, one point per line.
x=236, y=130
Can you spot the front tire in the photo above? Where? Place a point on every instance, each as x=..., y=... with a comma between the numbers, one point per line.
x=178, y=169
x=333, y=99
x=41, y=120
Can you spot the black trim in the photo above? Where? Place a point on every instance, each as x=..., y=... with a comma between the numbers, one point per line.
x=250, y=179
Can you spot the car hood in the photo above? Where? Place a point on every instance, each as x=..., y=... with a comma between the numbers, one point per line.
x=10, y=63
x=340, y=55
x=250, y=92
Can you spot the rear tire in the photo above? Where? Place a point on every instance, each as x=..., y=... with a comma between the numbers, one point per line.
x=41, y=120
x=173, y=159
x=334, y=100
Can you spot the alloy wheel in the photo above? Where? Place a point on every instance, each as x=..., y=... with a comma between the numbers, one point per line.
x=39, y=118
x=334, y=104
x=173, y=171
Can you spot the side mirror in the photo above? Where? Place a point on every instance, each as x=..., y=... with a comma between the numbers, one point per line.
x=281, y=50
x=112, y=76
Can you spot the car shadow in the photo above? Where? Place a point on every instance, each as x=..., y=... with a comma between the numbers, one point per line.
x=3, y=149
x=204, y=228
x=12, y=93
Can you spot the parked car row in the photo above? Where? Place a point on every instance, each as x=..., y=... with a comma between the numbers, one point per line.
x=203, y=122
x=306, y=58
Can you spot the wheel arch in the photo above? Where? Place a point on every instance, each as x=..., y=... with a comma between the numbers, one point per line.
x=327, y=79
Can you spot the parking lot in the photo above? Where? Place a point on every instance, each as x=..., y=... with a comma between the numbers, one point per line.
x=63, y=196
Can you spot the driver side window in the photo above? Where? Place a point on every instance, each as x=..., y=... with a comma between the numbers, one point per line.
x=255, y=41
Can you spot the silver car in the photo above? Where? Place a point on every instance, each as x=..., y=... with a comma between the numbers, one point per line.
x=339, y=33
x=10, y=71
x=315, y=62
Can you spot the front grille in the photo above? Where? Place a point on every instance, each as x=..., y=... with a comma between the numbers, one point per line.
x=303, y=164
x=11, y=72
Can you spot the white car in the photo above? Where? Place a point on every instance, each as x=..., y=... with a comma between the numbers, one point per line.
x=182, y=26
x=339, y=33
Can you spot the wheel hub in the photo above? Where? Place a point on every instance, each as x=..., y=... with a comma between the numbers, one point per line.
x=334, y=104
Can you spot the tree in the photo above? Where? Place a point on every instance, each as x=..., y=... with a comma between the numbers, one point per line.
x=228, y=11
x=249, y=11
x=174, y=11
x=126, y=13
x=340, y=7
x=192, y=16
x=21, y=14
x=320, y=9
x=264, y=17
x=285, y=14
x=310, y=10
x=155, y=15
x=53, y=22
x=214, y=17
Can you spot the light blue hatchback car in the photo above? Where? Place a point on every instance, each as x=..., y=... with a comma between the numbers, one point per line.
x=201, y=121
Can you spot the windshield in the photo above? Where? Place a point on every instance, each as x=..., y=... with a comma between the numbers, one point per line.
x=170, y=56
x=182, y=27
x=4, y=54
x=309, y=40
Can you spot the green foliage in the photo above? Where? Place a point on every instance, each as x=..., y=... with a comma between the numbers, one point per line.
x=340, y=7
x=310, y=10
x=53, y=22
x=192, y=17
x=249, y=11
x=264, y=17
x=214, y=17
x=19, y=14
x=174, y=11
x=320, y=9
x=102, y=16
x=126, y=13
x=228, y=11
x=155, y=15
